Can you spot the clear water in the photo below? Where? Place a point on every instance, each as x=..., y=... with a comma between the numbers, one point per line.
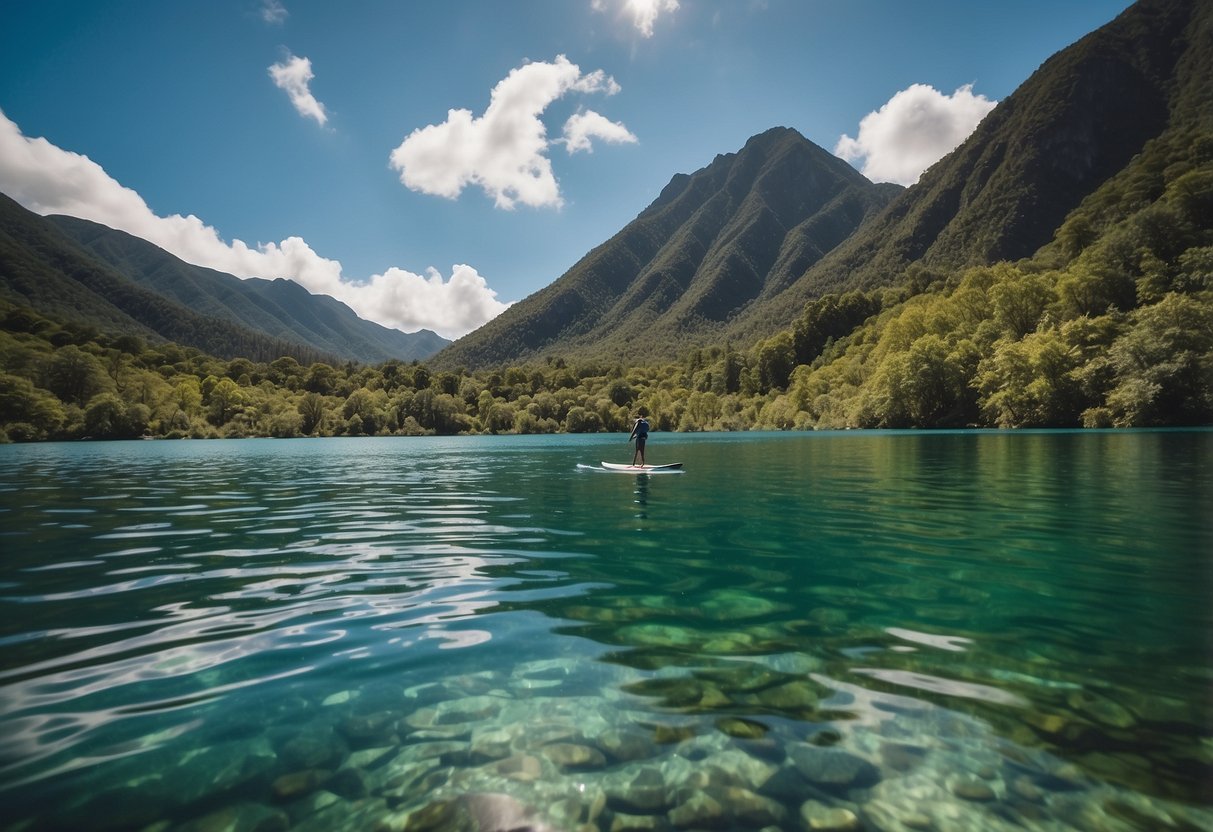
x=856, y=630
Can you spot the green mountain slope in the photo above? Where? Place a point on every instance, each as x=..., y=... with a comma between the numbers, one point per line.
x=1078, y=120
x=43, y=268
x=734, y=252
x=712, y=242
x=280, y=308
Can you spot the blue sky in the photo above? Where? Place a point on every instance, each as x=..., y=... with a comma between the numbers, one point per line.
x=430, y=162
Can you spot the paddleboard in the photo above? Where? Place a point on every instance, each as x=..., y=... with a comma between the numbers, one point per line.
x=642, y=469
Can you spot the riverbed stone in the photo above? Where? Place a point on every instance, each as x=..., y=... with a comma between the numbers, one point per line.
x=626, y=746
x=1023, y=788
x=818, y=817
x=639, y=789
x=901, y=756
x=735, y=604
x=348, y=782
x=746, y=809
x=468, y=709
x=370, y=758
x=241, y=817
x=573, y=756
x=665, y=734
x=492, y=745
x=315, y=748
x=973, y=789
x=833, y=769
x=699, y=810
x=740, y=728
x=791, y=696
x=339, y=698
x=370, y=729
x=298, y=783
x=522, y=768
x=621, y=822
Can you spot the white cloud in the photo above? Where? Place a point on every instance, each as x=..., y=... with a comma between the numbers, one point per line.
x=273, y=12
x=582, y=126
x=504, y=150
x=294, y=75
x=49, y=180
x=914, y=130
x=642, y=14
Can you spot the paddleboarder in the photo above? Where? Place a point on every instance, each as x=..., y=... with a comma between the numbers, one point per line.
x=640, y=432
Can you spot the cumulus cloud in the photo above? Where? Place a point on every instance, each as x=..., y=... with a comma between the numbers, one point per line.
x=581, y=127
x=295, y=76
x=914, y=130
x=273, y=12
x=642, y=14
x=504, y=151
x=49, y=180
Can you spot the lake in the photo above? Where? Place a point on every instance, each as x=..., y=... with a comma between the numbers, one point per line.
x=877, y=630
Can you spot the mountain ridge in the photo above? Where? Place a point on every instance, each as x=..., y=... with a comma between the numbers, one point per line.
x=279, y=307
x=1001, y=195
x=706, y=246
x=95, y=275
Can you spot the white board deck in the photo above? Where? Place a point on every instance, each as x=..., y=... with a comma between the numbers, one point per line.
x=642, y=469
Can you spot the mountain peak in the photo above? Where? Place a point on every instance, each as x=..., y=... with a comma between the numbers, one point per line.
x=711, y=243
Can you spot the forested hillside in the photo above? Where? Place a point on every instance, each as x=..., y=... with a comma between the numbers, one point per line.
x=79, y=271
x=279, y=308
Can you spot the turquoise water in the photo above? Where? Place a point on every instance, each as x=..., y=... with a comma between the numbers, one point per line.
x=883, y=631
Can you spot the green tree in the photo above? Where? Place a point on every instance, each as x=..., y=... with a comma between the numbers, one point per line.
x=311, y=412
x=75, y=376
x=226, y=399
x=22, y=402
x=1018, y=304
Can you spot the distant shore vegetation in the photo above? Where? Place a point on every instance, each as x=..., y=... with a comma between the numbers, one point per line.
x=1111, y=325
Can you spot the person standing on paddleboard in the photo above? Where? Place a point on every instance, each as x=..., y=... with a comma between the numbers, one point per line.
x=640, y=432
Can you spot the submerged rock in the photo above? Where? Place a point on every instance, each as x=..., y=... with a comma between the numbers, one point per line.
x=476, y=813
x=700, y=809
x=299, y=783
x=626, y=746
x=734, y=604
x=242, y=817
x=569, y=755
x=833, y=769
x=523, y=768
x=369, y=729
x=741, y=728
x=315, y=748
x=792, y=696
x=640, y=790
x=621, y=822
x=469, y=709
x=818, y=817
x=975, y=790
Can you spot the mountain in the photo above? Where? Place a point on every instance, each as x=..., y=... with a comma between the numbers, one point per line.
x=43, y=268
x=1076, y=122
x=734, y=251
x=742, y=228
x=85, y=272
x=280, y=308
